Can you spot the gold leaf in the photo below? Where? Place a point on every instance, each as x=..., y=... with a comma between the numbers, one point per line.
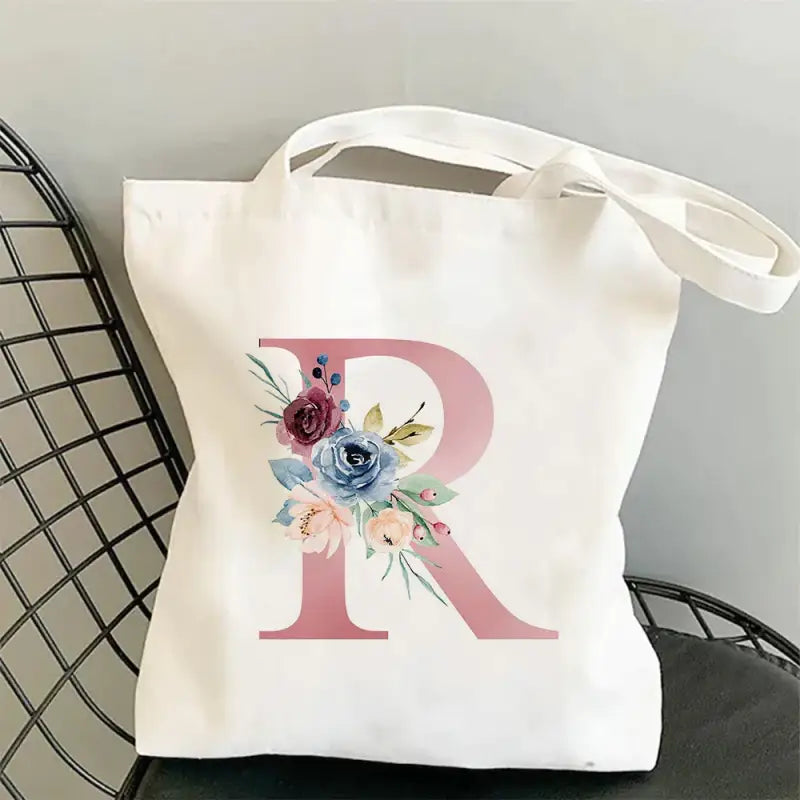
x=410, y=434
x=404, y=459
x=373, y=422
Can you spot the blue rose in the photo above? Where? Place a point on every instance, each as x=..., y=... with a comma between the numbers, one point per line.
x=355, y=465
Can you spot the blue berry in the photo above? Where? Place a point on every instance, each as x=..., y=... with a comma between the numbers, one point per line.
x=322, y=359
x=336, y=379
x=316, y=372
x=344, y=405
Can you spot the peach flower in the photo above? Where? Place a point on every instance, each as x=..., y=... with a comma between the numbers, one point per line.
x=317, y=520
x=389, y=531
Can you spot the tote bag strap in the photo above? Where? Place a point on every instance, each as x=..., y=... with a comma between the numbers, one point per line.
x=701, y=234
x=441, y=134
x=421, y=148
x=715, y=241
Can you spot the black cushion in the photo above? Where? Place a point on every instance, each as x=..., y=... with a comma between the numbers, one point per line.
x=730, y=731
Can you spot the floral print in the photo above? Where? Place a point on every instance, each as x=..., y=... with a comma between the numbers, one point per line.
x=389, y=531
x=312, y=416
x=343, y=479
x=356, y=465
x=317, y=521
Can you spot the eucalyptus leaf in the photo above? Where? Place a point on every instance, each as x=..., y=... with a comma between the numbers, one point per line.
x=306, y=381
x=391, y=561
x=413, y=485
x=373, y=422
x=409, y=434
x=290, y=471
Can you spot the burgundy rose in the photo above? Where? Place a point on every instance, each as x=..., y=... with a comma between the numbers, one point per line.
x=307, y=419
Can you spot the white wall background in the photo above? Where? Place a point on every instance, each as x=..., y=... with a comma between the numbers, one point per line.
x=209, y=89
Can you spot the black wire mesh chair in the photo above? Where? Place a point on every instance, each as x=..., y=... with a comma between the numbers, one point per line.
x=81, y=433
x=90, y=478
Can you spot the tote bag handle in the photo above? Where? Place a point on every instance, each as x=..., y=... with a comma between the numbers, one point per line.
x=416, y=147
x=713, y=240
x=424, y=131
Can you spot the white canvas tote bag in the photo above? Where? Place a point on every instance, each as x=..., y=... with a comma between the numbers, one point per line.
x=415, y=413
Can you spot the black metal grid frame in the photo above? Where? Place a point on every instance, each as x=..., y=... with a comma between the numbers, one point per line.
x=85, y=269
x=705, y=610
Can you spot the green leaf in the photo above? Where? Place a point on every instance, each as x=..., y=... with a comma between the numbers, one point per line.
x=263, y=380
x=404, y=460
x=370, y=552
x=409, y=434
x=422, y=558
x=280, y=397
x=306, y=381
x=391, y=561
x=423, y=581
x=271, y=413
x=264, y=367
x=405, y=576
x=428, y=587
x=412, y=485
x=270, y=381
x=373, y=422
x=378, y=505
x=282, y=400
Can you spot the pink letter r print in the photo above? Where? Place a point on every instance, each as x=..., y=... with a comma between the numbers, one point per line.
x=323, y=613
